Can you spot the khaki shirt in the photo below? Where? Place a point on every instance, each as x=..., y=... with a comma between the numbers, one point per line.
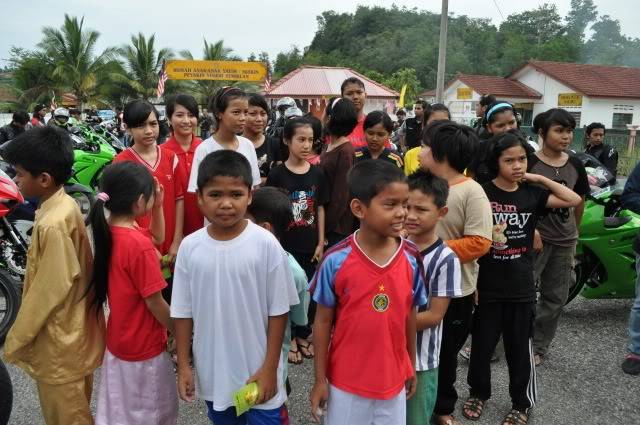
x=56, y=337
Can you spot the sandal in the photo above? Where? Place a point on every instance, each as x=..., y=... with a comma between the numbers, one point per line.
x=446, y=420
x=305, y=349
x=516, y=417
x=294, y=357
x=475, y=406
x=538, y=359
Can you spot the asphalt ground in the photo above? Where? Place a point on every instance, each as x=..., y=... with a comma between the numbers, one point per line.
x=580, y=382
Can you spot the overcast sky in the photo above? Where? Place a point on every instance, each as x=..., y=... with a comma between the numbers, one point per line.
x=249, y=26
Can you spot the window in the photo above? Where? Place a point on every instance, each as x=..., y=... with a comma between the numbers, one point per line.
x=621, y=120
x=576, y=116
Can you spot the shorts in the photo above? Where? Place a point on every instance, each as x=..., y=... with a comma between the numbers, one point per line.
x=344, y=408
x=420, y=406
x=279, y=416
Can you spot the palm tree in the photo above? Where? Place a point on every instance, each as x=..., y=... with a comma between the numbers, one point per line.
x=142, y=64
x=70, y=51
x=204, y=90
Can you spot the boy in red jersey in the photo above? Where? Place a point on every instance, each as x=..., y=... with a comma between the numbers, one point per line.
x=367, y=289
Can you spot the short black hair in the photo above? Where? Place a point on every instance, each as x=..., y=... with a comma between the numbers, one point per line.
x=401, y=112
x=185, y=100
x=292, y=124
x=435, y=108
x=343, y=117
x=368, y=178
x=20, y=117
x=487, y=99
x=378, y=117
x=39, y=107
x=593, y=126
x=422, y=103
x=136, y=113
x=350, y=80
x=272, y=205
x=225, y=163
x=45, y=149
x=500, y=143
x=259, y=101
x=556, y=116
x=430, y=185
x=455, y=143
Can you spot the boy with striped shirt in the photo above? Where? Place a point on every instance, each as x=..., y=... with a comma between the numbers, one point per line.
x=427, y=205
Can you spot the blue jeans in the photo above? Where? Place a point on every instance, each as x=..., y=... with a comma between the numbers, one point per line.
x=634, y=317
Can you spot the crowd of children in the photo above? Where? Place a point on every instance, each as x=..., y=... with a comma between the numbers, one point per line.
x=253, y=253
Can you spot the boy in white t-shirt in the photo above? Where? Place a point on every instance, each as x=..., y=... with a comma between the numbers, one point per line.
x=232, y=290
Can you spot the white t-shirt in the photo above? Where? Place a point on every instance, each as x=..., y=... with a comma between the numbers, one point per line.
x=229, y=289
x=245, y=147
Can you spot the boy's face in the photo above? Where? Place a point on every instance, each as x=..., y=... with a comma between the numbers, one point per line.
x=224, y=200
x=355, y=93
x=32, y=186
x=386, y=212
x=422, y=213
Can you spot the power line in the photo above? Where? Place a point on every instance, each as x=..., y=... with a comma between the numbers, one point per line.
x=499, y=11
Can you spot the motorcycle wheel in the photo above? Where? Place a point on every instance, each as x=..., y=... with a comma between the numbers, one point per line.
x=85, y=202
x=580, y=280
x=9, y=303
x=6, y=389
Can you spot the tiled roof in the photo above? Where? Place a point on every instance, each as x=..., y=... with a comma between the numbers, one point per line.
x=592, y=80
x=491, y=84
x=317, y=81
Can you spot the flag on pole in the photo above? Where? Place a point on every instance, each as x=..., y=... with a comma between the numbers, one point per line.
x=162, y=78
x=403, y=91
x=267, y=81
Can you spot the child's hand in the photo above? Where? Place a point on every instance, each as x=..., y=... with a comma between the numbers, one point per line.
x=531, y=178
x=537, y=242
x=186, y=388
x=158, y=194
x=173, y=252
x=317, y=254
x=410, y=386
x=267, y=381
x=319, y=396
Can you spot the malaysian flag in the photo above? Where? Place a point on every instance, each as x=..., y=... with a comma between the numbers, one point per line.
x=267, y=81
x=162, y=78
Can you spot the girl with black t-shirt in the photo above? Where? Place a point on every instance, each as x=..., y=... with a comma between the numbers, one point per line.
x=506, y=291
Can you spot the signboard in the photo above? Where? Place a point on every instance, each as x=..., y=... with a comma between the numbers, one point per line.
x=464, y=93
x=569, y=99
x=215, y=70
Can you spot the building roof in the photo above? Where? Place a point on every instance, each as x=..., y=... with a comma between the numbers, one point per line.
x=591, y=80
x=317, y=81
x=491, y=84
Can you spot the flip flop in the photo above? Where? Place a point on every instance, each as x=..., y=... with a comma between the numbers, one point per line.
x=296, y=352
x=305, y=348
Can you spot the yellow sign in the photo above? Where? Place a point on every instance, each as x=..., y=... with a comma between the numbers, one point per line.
x=569, y=99
x=464, y=93
x=216, y=70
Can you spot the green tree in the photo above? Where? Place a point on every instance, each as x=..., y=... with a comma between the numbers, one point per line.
x=405, y=76
x=287, y=62
x=70, y=52
x=142, y=64
x=32, y=75
x=607, y=45
x=582, y=14
x=204, y=90
x=539, y=26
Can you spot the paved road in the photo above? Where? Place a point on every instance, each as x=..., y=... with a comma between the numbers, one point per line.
x=580, y=382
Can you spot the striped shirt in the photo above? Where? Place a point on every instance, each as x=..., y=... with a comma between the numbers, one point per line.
x=443, y=279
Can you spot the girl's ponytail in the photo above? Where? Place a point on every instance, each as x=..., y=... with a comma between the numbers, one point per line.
x=121, y=186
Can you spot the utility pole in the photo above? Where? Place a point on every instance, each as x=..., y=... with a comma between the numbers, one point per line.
x=442, y=51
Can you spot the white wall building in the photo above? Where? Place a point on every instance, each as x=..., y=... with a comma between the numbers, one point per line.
x=606, y=94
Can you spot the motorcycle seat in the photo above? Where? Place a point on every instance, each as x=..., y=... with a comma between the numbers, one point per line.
x=613, y=222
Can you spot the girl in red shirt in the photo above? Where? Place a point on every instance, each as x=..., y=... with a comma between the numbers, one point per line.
x=141, y=119
x=182, y=112
x=137, y=382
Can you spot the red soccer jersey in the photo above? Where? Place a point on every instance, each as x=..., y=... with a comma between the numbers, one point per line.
x=193, y=218
x=368, y=352
x=133, y=333
x=169, y=174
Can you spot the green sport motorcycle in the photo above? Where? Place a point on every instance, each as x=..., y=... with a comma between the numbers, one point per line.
x=605, y=259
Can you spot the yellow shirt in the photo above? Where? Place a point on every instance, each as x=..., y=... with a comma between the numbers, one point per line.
x=411, y=161
x=56, y=337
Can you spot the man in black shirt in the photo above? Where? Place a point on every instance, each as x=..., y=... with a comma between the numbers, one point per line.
x=595, y=147
x=16, y=127
x=411, y=130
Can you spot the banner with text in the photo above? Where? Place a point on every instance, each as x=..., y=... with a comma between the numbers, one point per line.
x=216, y=70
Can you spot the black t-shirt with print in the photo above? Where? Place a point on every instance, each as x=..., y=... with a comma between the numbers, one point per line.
x=307, y=192
x=506, y=271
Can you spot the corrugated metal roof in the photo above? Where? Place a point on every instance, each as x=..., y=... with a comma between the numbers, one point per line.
x=317, y=81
